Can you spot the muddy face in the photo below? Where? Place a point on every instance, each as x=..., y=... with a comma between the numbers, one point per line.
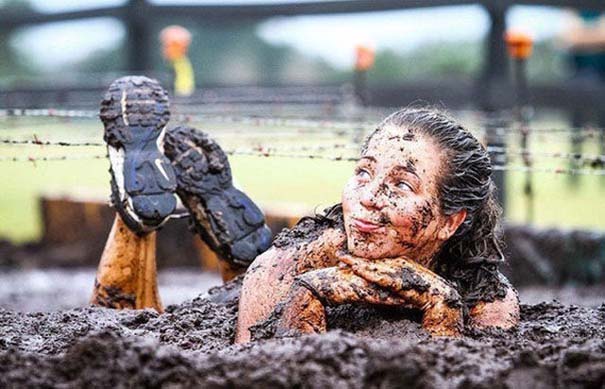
x=390, y=203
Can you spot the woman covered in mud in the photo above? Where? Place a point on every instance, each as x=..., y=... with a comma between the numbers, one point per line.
x=418, y=227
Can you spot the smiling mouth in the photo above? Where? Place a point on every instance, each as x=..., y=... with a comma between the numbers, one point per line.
x=366, y=226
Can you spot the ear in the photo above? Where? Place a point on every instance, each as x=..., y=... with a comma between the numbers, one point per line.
x=452, y=222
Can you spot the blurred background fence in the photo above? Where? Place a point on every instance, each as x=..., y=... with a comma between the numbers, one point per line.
x=277, y=86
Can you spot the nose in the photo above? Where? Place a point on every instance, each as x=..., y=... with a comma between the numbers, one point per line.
x=371, y=196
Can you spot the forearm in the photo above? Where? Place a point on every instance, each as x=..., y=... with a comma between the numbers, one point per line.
x=408, y=279
x=270, y=277
x=340, y=285
x=303, y=311
x=416, y=286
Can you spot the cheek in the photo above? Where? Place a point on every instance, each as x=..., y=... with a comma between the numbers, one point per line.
x=349, y=195
x=402, y=214
x=412, y=218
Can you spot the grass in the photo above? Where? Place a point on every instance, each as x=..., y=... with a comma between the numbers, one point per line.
x=315, y=183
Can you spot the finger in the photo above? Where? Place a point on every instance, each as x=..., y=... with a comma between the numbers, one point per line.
x=377, y=274
x=342, y=286
x=372, y=271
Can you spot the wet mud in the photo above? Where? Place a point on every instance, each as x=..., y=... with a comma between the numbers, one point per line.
x=191, y=344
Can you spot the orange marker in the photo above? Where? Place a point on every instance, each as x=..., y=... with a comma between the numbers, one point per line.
x=175, y=42
x=364, y=57
x=519, y=44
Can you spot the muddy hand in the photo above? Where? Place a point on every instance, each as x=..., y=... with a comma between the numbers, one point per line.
x=321, y=252
x=419, y=286
x=303, y=312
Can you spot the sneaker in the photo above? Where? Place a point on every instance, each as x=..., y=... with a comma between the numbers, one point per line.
x=227, y=220
x=134, y=113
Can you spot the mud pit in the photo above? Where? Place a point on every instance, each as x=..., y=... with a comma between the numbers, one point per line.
x=191, y=345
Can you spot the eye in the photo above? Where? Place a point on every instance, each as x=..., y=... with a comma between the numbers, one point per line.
x=402, y=185
x=363, y=174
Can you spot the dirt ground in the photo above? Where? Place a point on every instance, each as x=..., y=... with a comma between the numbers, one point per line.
x=190, y=345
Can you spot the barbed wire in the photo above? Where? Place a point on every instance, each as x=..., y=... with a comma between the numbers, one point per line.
x=341, y=158
x=38, y=142
x=267, y=153
x=319, y=124
x=277, y=120
x=597, y=160
x=594, y=159
x=573, y=172
x=256, y=121
x=53, y=158
x=358, y=134
x=48, y=112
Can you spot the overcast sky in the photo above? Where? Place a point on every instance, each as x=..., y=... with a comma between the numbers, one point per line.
x=328, y=37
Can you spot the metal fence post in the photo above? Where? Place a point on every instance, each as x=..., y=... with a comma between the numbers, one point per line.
x=492, y=95
x=519, y=49
x=138, y=36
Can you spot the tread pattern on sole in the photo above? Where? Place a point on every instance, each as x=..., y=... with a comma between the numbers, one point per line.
x=135, y=111
x=226, y=218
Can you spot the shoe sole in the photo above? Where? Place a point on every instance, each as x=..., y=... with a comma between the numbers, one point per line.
x=135, y=113
x=226, y=219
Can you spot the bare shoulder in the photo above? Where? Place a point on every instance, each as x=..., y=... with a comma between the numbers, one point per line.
x=503, y=312
x=314, y=240
x=311, y=228
x=307, y=246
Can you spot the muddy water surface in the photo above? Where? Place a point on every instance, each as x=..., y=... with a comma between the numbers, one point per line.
x=191, y=345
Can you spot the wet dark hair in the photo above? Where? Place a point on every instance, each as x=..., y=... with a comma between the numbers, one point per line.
x=471, y=257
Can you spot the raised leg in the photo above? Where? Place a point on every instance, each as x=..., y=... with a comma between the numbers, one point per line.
x=127, y=275
x=134, y=113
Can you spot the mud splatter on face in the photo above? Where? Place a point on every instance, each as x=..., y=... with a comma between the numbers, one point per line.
x=426, y=213
x=409, y=136
x=390, y=204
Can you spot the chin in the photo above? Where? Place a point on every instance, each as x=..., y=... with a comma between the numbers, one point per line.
x=365, y=249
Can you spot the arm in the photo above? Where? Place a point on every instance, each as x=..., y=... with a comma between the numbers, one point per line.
x=417, y=286
x=399, y=275
x=271, y=275
x=266, y=282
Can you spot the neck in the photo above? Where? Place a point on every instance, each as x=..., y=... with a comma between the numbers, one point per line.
x=425, y=255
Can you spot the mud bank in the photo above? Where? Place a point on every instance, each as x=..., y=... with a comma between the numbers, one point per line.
x=191, y=345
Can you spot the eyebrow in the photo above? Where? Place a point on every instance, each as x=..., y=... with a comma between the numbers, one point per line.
x=410, y=168
x=368, y=157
